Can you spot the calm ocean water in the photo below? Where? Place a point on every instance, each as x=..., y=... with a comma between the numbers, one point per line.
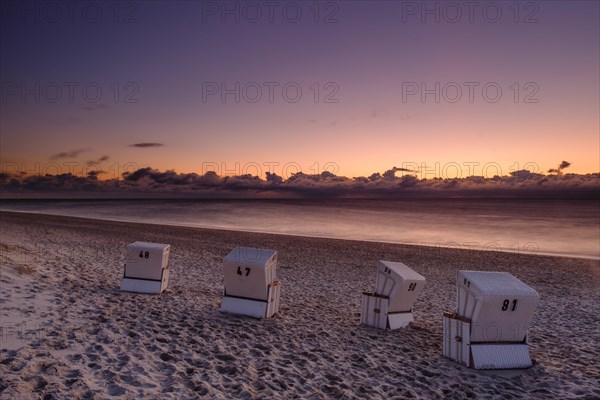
x=559, y=227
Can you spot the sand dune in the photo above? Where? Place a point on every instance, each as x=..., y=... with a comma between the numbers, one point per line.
x=68, y=332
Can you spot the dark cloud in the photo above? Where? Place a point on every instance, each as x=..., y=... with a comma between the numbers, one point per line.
x=391, y=173
x=561, y=166
x=146, y=144
x=564, y=164
x=524, y=174
x=164, y=178
x=150, y=181
x=95, y=174
x=69, y=154
x=375, y=177
x=98, y=161
x=150, y=177
x=273, y=178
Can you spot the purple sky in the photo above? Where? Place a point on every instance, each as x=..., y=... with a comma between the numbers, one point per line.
x=363, y=56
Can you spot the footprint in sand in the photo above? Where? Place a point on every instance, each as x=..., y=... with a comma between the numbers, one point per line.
x=231, y=370
x=40, y=384
x=201, y=389
x=225, y=357
x=115, y=390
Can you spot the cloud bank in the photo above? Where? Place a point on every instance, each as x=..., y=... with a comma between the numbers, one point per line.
x=150, y=182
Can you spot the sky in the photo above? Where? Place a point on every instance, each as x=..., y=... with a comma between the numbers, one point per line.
x=447, y=89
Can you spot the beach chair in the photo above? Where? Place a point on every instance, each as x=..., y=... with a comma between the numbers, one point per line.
x=488, y=329
x=146, y=268
x=396, y=289
x=251, y=285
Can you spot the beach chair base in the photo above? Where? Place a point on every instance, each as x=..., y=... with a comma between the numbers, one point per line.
x=254, y=308
x=458, y=347
x=375, y=313
x=143, y=285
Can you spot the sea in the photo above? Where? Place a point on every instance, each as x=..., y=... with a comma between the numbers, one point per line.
x=530, y=226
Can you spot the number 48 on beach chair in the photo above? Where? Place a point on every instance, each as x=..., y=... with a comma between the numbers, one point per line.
x=396, y=289
x=146, y=268
x=488, y=329
x=251, y=285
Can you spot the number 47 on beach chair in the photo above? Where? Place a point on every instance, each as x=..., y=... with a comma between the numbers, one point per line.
x=251, y=285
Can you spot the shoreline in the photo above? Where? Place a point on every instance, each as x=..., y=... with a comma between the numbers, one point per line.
x=430, y=246
x=79, y=336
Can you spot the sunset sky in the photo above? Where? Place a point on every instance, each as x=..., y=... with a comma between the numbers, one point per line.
x=369, y=60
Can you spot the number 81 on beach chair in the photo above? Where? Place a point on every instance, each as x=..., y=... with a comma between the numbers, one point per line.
x=488, y=329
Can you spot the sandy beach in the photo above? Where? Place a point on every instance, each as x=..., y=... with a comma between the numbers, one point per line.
x=69, y=333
